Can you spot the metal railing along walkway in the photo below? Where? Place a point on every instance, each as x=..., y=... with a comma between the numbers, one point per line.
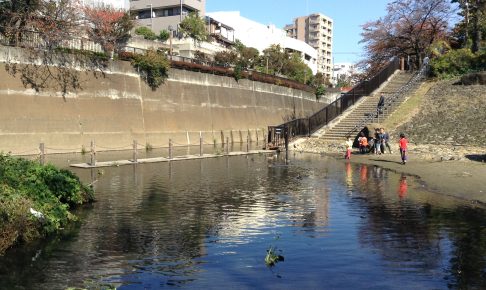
x=307, y=126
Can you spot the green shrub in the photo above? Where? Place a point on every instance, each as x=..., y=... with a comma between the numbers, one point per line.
x=26, y=184
x=453, y=63
x=146, y=32
x=153, y=67
x=163, y=35
x=320, y=91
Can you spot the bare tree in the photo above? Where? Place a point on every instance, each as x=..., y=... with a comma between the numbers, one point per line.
x=46, y=63
x=408, y=29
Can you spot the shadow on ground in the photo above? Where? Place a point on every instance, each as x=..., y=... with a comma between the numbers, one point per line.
x=477, y=157
x=389, y=161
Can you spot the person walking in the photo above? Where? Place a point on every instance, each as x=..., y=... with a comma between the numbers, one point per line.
x=381, y=104
x=378, y=142
x=386, y=140
x=403, y=144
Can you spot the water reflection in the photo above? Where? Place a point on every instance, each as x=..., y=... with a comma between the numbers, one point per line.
x=208, y=223
x=402, y=187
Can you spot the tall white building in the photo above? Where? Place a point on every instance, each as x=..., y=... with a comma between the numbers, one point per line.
x=316, y=30
x=260, y=36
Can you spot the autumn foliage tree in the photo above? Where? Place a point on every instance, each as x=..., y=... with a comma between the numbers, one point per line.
x=57, y=21
x=407, y=30
x=108, y=27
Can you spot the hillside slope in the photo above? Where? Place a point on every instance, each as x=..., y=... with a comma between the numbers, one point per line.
x=450, y=114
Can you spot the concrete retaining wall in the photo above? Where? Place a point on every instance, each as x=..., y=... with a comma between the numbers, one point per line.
x=118, y=108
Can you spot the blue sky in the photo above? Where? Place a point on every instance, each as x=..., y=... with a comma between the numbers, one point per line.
x=348, y=16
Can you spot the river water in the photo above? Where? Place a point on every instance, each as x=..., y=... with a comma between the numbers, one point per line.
x=209, y=223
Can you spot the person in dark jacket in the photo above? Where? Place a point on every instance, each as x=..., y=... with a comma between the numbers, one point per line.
x=386, y=138
x=381, y=103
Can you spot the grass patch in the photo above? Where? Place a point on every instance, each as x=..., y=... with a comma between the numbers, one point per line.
x=409, y=108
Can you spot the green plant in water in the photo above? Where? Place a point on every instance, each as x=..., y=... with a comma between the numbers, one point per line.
x=83, y=150
x=273, y=256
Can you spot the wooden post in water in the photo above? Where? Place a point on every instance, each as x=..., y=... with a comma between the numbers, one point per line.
x=200, y=146
x=265, y=141
x=170, y=149
x=248, y=142
x=135, y=151
x=93, y=153
x=227, y=145
x=42, y=150
x=286, y=137
x=256, y=134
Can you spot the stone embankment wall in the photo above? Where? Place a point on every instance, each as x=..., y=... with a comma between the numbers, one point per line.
x=119, y=107
x=452, y=114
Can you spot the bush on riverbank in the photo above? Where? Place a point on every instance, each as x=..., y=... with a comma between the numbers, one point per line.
x=457, y=62
x=27, y=187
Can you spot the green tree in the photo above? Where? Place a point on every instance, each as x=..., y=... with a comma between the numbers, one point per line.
x=274, y=60
x=194, y=27
x=248, y=57
x=226, y=58
x=295, y=69
x=470, y=30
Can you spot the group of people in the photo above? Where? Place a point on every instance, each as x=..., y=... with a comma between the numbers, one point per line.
x=377, y=144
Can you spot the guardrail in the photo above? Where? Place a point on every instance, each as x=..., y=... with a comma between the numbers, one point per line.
x=307, y=126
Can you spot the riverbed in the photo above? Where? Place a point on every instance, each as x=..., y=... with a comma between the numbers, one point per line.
x=208, y=224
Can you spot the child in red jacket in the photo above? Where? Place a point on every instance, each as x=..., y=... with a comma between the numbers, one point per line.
x=402, y=143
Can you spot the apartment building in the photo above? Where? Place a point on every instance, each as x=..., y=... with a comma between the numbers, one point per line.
x=261, y=36
x=316, y=30
x=164, y=14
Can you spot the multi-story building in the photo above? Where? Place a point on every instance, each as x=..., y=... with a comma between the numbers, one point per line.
x=164, y=14
x=261, y=36
x=316, y=30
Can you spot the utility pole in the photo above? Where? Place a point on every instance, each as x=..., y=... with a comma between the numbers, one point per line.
x=181, y=12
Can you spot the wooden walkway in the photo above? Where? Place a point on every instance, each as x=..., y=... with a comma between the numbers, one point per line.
x=164, y=159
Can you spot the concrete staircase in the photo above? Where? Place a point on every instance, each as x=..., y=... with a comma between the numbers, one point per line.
x=339, y=128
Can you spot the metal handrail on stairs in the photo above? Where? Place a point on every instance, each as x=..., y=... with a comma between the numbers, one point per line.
x=309, y=125
x=390, y=101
